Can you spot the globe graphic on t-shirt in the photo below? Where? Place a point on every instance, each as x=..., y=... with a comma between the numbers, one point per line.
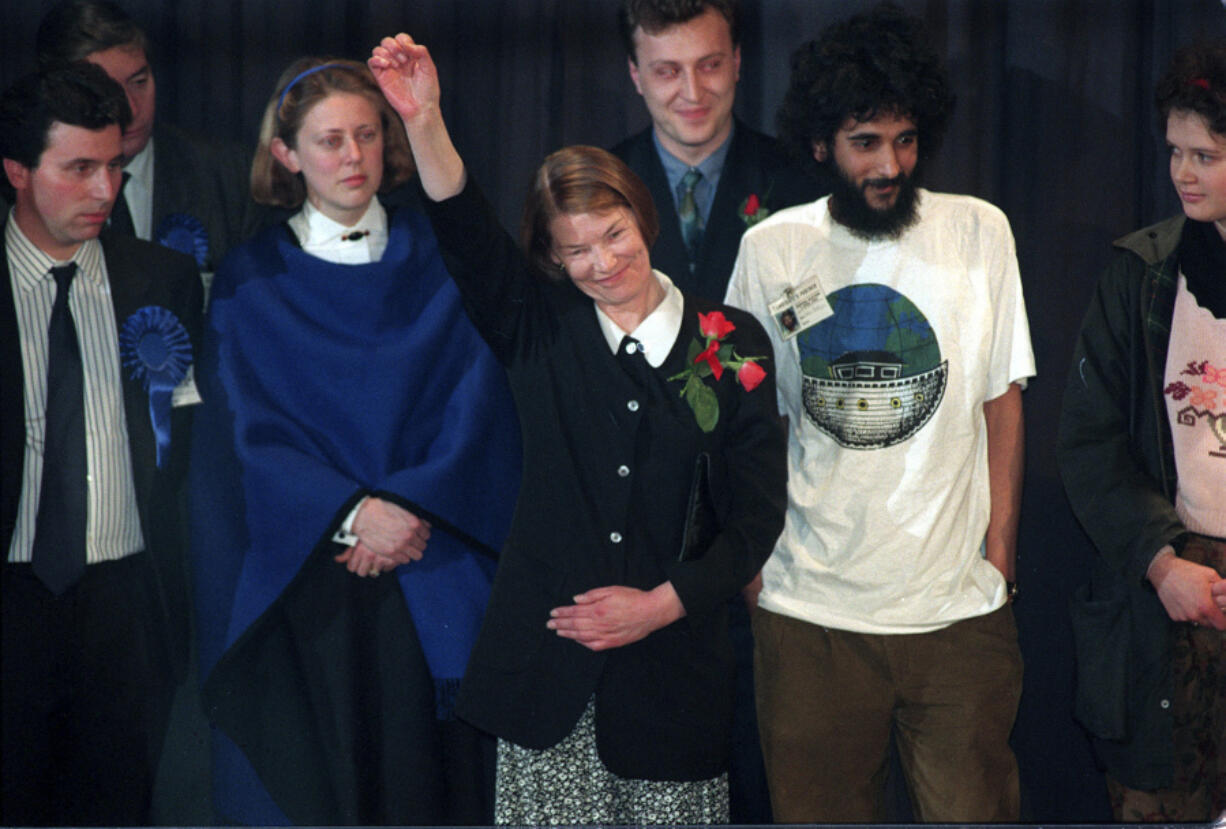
x=873, y=373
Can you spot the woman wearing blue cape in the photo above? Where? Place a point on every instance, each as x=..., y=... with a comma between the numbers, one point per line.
x=355, y=466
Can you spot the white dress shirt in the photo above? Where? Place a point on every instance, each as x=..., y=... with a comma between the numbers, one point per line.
x=138, y=192
x=332, y=241
x=113, y=525
x=657, y=332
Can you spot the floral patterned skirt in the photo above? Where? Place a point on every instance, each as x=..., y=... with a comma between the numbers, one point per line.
x=567, y=784
x=1198, y=667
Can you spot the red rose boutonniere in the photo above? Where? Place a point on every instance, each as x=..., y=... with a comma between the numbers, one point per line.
x=709, y=356
x=752, y=211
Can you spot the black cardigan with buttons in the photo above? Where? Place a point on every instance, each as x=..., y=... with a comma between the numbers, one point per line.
x=609, y=455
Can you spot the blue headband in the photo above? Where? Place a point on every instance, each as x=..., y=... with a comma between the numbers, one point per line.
x=300, y=76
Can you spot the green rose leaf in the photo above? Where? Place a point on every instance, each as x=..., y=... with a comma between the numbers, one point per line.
x=704, y=403
x=696, y=348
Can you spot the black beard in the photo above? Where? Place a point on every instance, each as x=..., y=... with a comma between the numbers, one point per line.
x=850, y=208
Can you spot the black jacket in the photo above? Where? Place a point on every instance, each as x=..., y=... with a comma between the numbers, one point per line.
x=609, y=454
x=207, y=181
x=1118, y=466
x=140, y=274
x=755, y=165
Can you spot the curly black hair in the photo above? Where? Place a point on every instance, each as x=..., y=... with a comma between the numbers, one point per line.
x=875, y=62
x=1195, y=82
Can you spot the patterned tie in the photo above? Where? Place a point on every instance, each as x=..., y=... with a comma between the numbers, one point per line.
x=691, y=217
x=59, y=532
x=121, y=216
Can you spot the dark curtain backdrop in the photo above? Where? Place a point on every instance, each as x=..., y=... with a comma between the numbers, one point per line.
x=1054, y=124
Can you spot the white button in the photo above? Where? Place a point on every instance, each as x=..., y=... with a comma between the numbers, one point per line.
x=1166, y=703
x=623, y=471
x=633, y=405
x=616, y=538
x=631, y=348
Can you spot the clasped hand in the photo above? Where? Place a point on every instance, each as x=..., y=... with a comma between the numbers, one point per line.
x=1190, y=592
x=389, y=536
x=610, y=617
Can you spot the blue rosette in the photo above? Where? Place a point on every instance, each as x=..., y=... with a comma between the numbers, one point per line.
x=186, y=234
x=157, y=353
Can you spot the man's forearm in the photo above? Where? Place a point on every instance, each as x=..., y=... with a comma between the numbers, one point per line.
x=1006, y=461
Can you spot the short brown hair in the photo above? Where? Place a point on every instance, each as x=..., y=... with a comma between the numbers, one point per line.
x=271, y=182
x=654, y=16
x=75, y=29
x=582, y=179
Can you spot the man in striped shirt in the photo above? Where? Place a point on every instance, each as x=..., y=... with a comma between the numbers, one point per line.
x=94, y=602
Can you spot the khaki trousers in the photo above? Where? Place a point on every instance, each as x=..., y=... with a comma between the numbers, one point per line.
x=828, y=700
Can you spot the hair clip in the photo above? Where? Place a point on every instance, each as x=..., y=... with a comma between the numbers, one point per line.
x=1203, y=83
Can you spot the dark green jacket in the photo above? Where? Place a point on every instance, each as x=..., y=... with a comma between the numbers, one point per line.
x=1115, y=457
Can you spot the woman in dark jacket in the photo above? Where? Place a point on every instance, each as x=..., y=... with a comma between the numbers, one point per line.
x=1142, y=452
x=654, y=486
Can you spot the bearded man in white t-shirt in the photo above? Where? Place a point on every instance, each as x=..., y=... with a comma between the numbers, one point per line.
x=902, y=347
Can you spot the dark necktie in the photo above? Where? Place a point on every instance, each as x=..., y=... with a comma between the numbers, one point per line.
x=59, y=533
x=690, y=215
x=121, y=216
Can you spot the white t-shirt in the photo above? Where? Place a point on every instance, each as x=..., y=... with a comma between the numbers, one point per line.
x=888, y=497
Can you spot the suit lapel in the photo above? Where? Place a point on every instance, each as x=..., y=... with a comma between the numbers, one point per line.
x=668, y=253
x=163, y=179
x=722, y=239
x=128, y=285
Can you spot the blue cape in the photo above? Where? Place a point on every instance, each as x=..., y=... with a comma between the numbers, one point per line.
x=323, y=383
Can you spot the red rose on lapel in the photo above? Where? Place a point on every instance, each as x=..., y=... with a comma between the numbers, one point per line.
x=715, y=325
x=750, y=375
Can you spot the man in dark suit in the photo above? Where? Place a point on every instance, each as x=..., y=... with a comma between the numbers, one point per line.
x=685, y=60
x=96, y=343
x=711, y=177
x=181, y=189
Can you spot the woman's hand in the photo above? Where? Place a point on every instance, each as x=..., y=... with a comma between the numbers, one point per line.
x=389, y=536
x=1219, y=594
x=409, y=81
x=750, y=592
x=1190, y=592
x=406, y=74
x=363, y=561
x=609, y=617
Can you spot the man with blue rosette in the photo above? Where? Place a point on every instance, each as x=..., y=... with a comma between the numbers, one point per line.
x=97, y=339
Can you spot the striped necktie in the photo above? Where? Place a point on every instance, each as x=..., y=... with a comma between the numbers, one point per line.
x=691, y=217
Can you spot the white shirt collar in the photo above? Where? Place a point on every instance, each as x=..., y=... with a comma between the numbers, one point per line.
x=657, y=333
x=331, y=241
x=29, y=263
x=138, y=192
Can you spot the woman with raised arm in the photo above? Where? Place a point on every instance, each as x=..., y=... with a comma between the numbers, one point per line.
x=1142, y=452
x=353, y=424
x=654, y=486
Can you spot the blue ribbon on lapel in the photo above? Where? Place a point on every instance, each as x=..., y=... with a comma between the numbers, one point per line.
x=157, y=352
x=186, y=234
